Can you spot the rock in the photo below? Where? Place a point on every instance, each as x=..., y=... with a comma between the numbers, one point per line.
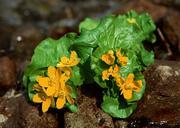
x=25, y=39
x=160, y=104
x=7, y=73
x=10, y=17
x=171, y=30
x=170, y=3
x=89, y=115
x=5, y=32
x=121, y=124
x=58, y=31
x=16, y=112
x=144, y=6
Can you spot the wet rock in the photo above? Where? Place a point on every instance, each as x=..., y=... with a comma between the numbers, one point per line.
x=15, y=112
x=5, y=32
x=161, y=100
x=7, y=73
x=10, y=4
x=58, y=31
x=89, y=115
x=144, y=6
x=10, y=17
x=25, y=39
x=170, y=3
x=121, y=124
x=171, y=30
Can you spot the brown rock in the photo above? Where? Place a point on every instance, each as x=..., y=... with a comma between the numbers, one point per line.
x=7, y=73
x=161, y=99
x=171, y=30
x=121, y=124
x=58, y=31
x=25, y=39
x=5, y=32
x=89, y=115
x=169, y=3
x=144, y=6
x=15, y=112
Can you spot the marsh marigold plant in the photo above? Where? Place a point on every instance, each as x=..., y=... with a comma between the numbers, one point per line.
x=107, y=52
x=53, y=88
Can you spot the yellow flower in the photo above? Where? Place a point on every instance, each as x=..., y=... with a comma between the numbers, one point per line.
x=53, y=86
x=108, y=58
x=119, y=80
x=132, y=20
x=69, y=62
x=44, y=99
x=49, y=84
x=63, y=91
x=63, y=95
x=110, y=72
x=129, y=85
x=121, y=59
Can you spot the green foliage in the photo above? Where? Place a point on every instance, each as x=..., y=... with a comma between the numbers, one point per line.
x=48, y=53
x=114, y=33
x=126, y=32
x=114, y=108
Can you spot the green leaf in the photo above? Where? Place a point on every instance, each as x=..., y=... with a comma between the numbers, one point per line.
x=48, y=53
x=73, y=108
x=113, y=107
x=138, y=95
x=113, y=33
x=88, y=24
x=147, y=57
x=76, y=78
x=30, y=90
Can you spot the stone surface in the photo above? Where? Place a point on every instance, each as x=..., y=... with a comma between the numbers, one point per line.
x=7, y=73
x=144, y=6
x=120, y=124
x=16, y=112
x=56, y=31
x=161, y=100
x=25, y=39
x=171, y=30
x=5, y=32
x=89, y=115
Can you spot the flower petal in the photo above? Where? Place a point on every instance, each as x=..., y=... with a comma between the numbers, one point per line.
x=51, y=72
x=130, y=78
x=122, y=59
x=105, y=75
x=68, y=90
x=127, y=94
x=74, y=58
x=46, y=104
x=37, y=87
x=63, y=63
x=67, y=71
x=50, y=90
x=60, y=102
x=139, y=82
x=69, y=99
x=37, y=98
x=119, y=81
x=108, y=58
x=43, y=81
x=116, y=68
x=137, y=86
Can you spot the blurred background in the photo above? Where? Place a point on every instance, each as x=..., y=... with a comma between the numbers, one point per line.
x=24, y=23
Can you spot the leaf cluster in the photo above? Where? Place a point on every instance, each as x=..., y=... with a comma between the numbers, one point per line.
x=96, y=38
